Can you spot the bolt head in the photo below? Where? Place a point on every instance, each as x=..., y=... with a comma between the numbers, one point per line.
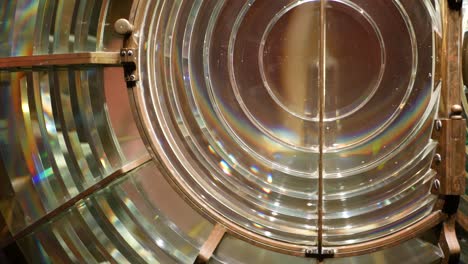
x=436, y=184
x=456, y=109
x=438, y=125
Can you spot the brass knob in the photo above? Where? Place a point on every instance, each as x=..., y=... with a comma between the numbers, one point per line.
x=123, y=26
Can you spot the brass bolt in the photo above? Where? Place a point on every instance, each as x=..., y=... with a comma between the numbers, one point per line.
x=456, y=112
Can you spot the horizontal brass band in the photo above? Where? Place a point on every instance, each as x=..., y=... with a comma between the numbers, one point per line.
x=86, y=58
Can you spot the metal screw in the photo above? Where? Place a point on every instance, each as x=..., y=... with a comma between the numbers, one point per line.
x=438, y=125
x=130, y=53
x=436, y=184
x=132, y=77
x=438, y=158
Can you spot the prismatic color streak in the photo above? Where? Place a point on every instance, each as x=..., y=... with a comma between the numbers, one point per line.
x=23, y=27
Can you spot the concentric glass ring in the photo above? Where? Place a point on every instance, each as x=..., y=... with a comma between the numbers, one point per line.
x=243, y=101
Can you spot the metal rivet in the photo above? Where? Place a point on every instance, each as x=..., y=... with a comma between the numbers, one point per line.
x=456, y=111
x=123, y=26
x=438, y=125
x=436, y=184
x=438, y=158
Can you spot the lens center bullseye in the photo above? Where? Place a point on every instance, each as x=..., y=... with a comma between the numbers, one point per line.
x=291, y=48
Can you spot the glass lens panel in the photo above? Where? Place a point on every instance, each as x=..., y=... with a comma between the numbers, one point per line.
x=57, y=138
x=32, y=27
x=251, y=102
x=122, y=223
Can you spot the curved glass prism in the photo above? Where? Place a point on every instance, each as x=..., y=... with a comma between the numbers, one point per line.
x=276, y=116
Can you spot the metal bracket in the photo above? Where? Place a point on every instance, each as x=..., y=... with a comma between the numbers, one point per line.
x=449, y=161
x=325, y=253
x=209, y=247
x=128, y=59
x=448, y=242
x=129, y=52
x=455, y=4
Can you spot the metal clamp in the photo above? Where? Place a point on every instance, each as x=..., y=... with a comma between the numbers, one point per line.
x=324, y=253
x=128, y=59
x=129, y=52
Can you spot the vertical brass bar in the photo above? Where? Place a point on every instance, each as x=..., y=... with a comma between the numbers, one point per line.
x=322, y=78
x=452, y=163
x=451, y=73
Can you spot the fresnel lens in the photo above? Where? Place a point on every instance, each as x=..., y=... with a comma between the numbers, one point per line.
x=251, y=131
